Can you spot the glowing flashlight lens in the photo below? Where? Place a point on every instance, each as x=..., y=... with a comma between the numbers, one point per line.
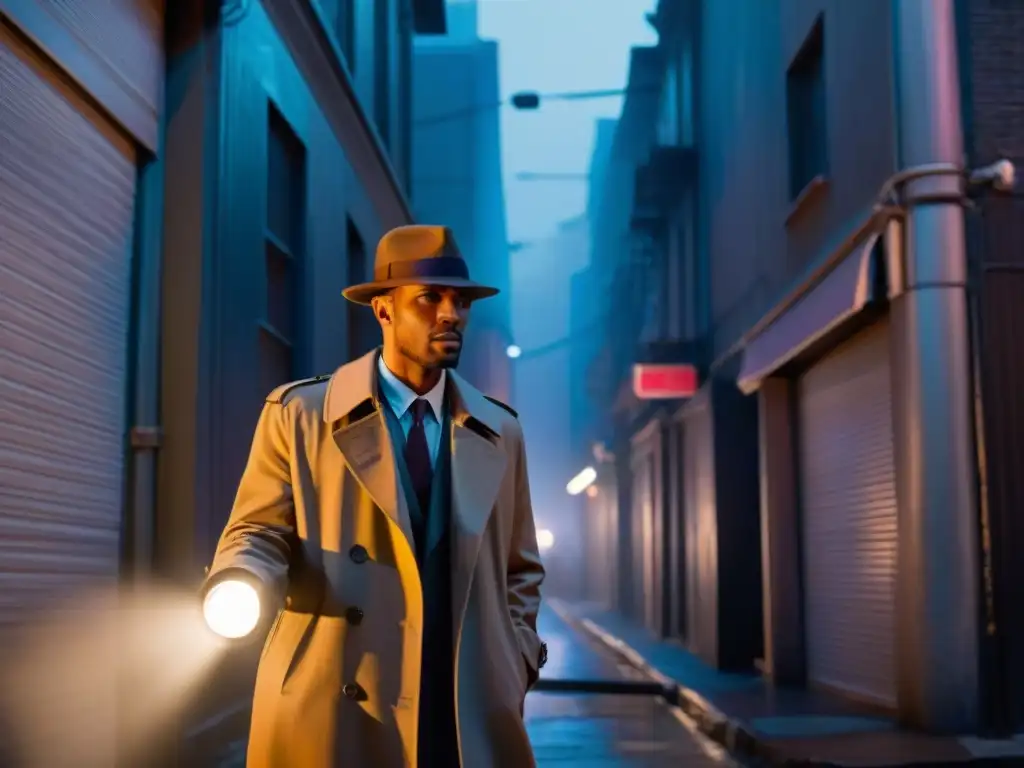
x=232, y=609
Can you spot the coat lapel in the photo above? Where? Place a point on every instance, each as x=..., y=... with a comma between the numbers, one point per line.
x=353, y=410
x=478, y=463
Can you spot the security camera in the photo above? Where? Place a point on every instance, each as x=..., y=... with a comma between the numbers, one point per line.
x=1000, y=175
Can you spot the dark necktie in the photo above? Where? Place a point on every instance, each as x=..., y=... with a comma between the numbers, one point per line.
x=417, y=454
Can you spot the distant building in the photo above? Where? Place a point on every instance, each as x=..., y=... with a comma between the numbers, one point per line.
x=587, y=309
x=542, y=275
x=836, y=506
x=457, y=181
x=188, y=201
x=463, y=20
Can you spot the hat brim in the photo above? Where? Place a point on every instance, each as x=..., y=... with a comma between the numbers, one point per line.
x=364, y=292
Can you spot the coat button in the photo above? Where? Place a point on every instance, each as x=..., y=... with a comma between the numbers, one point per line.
x=359, y=554
x=351, y=690
x=354, y=615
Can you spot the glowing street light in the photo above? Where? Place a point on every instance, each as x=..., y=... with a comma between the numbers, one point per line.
x=545, y=539
x=581, y=482
x=232, y=609
x=513, y=351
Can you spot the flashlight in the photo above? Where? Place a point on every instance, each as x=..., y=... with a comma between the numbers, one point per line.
x=231, y=608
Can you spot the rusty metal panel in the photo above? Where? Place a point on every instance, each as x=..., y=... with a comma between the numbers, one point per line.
x=67, y=193
x=848, y=510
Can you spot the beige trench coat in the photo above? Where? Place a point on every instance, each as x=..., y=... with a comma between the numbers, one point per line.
x=320, y=518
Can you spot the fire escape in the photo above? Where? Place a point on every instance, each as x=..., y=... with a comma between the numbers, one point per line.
x=648, y=276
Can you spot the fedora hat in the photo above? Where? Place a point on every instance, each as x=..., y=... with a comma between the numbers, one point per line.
x=418, y=254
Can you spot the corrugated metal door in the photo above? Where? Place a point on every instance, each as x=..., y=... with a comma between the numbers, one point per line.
x=848, y=492
x=701, y=531
x=67, y=189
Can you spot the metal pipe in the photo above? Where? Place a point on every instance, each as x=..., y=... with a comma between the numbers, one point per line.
x=937, y=565
x=145, y=433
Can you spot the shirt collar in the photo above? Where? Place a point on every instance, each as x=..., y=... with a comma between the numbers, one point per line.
x=400, y=397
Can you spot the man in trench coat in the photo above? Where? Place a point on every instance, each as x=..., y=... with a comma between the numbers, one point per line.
x=407, y=628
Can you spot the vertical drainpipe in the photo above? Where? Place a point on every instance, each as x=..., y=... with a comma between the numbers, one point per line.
x=145, y=432
x=937, y=579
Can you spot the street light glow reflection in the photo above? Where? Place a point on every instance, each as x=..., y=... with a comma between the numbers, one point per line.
x=582, y=481
x=513, y=351
x=232, y=609
x=545, y=539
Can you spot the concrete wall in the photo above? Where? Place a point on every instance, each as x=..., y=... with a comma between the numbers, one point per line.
x=757, y=241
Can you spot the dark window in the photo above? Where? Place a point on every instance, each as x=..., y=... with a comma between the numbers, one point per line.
x=283, y=247
x=382, y=68
x=345, y=29
x=805, y=101
x=362, y=327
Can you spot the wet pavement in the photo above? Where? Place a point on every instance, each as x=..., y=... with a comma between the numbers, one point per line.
x=599, y=730
x=595, y=730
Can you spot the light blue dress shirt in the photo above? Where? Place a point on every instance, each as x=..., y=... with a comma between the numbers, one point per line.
x=400, y=398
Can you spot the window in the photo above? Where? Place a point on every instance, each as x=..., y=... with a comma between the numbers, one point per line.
x=805, y=103
x=345, y=29
x=382, y=69
x=684, y=81
x=283, y=245
x=362, y=327
x=668, y=120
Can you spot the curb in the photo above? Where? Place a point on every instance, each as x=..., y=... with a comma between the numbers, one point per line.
x=729, y=733
x=714, y=724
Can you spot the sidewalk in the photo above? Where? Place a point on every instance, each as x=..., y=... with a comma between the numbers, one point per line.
x=780, y=726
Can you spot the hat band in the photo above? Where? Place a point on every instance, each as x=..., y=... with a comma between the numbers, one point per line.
x=439, y=266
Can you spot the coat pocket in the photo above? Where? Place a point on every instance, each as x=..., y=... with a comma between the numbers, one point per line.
x=271, y=635
x=283, y=650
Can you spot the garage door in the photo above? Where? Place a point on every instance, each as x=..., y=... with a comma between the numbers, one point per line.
x=66, y=206
x=848, y=492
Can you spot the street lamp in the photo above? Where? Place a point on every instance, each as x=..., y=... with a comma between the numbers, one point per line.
x=581, y=482
x=530, y=101
x=513, y=351
x=542, y=176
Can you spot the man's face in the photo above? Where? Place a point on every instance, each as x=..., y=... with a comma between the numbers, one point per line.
x=427, y=324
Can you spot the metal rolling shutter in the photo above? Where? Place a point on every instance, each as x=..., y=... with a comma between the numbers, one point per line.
x=848, y=492
x=67, y=188
x=701, y=533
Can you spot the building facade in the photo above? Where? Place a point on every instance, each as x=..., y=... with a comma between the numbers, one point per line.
x=186, y=190
x=457, y=180
x=836, y=496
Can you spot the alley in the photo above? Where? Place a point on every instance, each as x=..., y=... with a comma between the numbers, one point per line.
x=605, y=730
x=593, y=730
